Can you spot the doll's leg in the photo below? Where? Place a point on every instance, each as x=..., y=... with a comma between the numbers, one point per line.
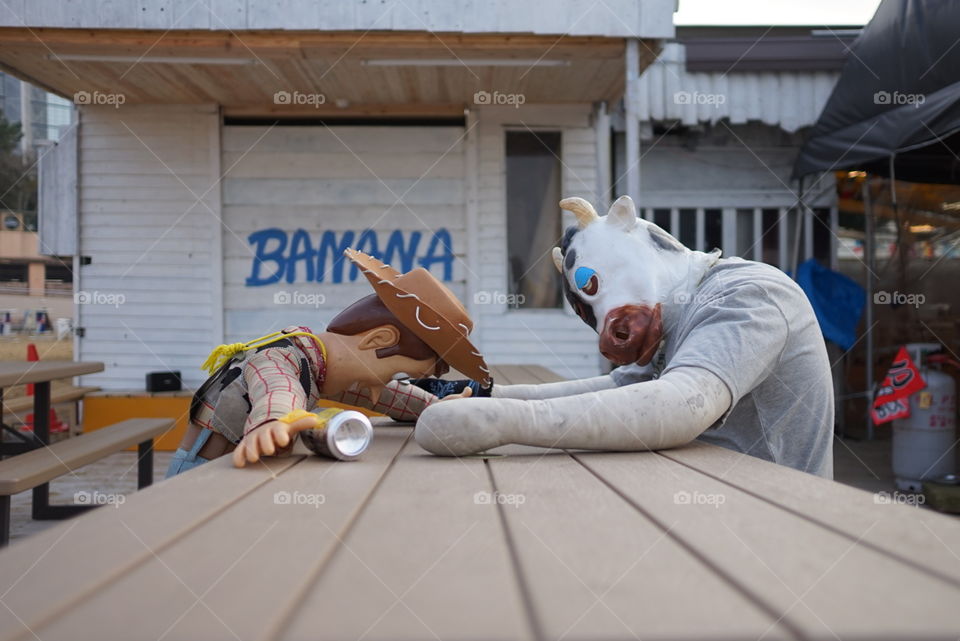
x=185, y=459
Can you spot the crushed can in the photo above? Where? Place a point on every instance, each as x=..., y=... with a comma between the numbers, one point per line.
x=343, y=434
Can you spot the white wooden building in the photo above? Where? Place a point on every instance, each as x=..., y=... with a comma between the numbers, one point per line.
x=226, y=151
x=720, y=117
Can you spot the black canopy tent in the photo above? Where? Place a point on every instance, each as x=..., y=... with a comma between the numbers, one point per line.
x=894, y=112
x=898, y=96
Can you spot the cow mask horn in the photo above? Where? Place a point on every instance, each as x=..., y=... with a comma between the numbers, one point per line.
x=583, y=210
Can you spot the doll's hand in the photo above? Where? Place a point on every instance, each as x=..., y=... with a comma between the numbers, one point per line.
x=466, y=393
x=269, y=437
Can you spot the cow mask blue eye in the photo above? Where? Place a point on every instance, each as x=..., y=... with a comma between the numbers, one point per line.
x=586, y=280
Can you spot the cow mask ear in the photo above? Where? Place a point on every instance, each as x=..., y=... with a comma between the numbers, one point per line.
x=558, y=259
x=664, y=240
x=623, y=213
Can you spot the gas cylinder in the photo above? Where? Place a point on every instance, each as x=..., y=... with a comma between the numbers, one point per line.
x=923, y=442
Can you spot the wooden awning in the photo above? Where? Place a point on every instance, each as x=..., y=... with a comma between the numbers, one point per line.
x=397, y=73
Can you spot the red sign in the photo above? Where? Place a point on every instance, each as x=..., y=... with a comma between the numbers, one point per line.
x=892, y=400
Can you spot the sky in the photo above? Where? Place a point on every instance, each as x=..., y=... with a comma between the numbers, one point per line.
x=775, y=12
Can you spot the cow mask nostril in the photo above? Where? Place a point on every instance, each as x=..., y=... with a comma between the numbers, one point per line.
x=631, y=334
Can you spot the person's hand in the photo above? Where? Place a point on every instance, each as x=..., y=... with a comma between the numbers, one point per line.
x=270, y=437
x=466, y=393
x=473, y=425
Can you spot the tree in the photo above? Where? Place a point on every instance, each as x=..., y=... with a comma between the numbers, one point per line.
x=18, y=174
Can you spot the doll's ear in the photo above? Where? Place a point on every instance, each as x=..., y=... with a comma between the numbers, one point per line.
x=379, y=337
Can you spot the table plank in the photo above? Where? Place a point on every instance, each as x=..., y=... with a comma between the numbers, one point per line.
x=248, y=565
x=540, y=374
x=22, y=372
x=510, y=375
x=921, y=537
x=823, y=585
x=46, y=574
x=425, y=539
x=599, y=569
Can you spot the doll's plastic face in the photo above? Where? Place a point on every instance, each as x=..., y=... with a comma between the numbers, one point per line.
x=382, y=370
x=391, y=367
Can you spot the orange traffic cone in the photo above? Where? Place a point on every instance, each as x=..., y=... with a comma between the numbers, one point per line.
x=56, y=425
x=32, y=356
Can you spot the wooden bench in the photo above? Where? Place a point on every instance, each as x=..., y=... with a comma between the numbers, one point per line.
x=70, y=394
x=34, y=469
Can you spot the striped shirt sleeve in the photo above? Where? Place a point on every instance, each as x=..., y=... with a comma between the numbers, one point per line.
x=273, y=383
x=399, y=400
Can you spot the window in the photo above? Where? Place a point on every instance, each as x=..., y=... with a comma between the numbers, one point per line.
x=688, y=228
x=533, y=218
x=661, y=217
x=771, y=238
x=822, y=236
x=13, y=272
x=713, y=229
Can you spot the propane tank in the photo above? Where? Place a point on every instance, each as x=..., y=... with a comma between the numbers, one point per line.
x=923, y=442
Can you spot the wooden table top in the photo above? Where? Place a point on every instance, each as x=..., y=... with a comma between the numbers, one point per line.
x=698, y=542
x=22, y=372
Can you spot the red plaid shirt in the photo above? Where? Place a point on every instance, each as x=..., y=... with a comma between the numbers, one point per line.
x=290, y=376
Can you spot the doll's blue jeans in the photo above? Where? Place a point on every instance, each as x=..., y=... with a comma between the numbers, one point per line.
x=184, y=460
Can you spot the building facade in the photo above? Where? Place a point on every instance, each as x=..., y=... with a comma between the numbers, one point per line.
x=226, y=155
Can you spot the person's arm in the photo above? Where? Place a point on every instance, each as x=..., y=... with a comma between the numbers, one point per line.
x=667, y=412
x=734, y=342
x=554, y=390
x=399, y=400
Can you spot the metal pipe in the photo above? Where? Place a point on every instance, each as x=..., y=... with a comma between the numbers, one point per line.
x=801, y=208
x=604, y=171
x=869, y=255
x=632, y=118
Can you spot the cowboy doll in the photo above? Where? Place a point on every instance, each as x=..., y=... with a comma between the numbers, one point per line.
x=257, y=399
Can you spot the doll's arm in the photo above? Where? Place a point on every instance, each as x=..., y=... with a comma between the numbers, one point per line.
x=399, y=400
x=273, y=385
x=667, y=412
x=554, y=390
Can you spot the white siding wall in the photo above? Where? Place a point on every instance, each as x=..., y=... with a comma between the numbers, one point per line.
x=149, y=208
x=153, y=244
x=553, y=338
x=335, y=180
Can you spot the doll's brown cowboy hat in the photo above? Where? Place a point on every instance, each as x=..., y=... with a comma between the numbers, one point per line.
x=429, y=310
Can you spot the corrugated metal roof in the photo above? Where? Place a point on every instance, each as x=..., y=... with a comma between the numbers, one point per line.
x=787, y=99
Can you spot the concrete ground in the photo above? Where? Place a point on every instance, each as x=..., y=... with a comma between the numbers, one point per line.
x=109, y=477
x=864, y=464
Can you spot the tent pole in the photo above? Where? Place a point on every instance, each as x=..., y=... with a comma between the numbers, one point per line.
x=800, y=211
x=869, y=251
x=893, y=183
x=630, y=101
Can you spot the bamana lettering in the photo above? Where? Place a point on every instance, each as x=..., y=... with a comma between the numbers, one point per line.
x=291, y=257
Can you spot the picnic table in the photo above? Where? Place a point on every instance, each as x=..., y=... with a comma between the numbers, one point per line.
x=40, y=374
x=697, y=542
